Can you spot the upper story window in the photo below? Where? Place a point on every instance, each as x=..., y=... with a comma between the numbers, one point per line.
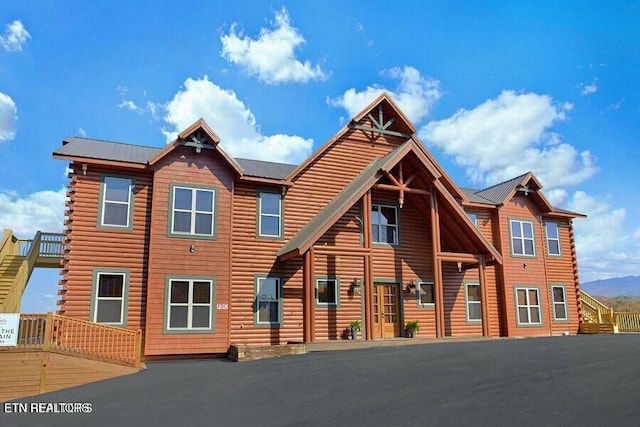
x=116, y=202
x=192, y=212
x=553, y=238
x=269, y=214
x=384, y=223
x=522, y=242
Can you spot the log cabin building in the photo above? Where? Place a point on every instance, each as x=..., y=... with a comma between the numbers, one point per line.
x=201, y=250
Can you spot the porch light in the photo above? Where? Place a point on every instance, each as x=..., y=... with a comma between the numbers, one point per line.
x=411, y=286
x=355, y=286
x=459, y=267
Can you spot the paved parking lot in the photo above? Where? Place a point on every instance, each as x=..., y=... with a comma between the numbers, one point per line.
x=563, y=381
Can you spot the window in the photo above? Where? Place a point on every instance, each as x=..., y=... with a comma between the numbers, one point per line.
x=327, y=292
x=528, y=306
x=522, y=238
x=190, y=305
x=192, y=212
x=425, y=294
x=268, y=300
x=553, y=238
x=270, y=215
x=384, y=221
x=473, y=217
x=116, y=202
x=109, y=302
x=559, y=302
x=474, y=304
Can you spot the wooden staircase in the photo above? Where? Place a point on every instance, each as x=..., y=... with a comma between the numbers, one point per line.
x=18, y=258
x=597, y=318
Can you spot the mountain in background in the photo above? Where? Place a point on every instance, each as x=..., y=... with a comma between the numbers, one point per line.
x=628, y=286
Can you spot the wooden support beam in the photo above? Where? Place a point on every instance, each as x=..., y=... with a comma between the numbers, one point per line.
x=306, y=301
x=339, y=250
x=437, y=264
x=457, y=256
x=410, y=179
x=368, y=276
x=484, y=298
x=312, y=292
x=405, y=189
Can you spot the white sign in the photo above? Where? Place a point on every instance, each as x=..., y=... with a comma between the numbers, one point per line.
x=9, y=329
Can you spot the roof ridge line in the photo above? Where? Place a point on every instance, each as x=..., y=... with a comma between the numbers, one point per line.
x=112, y=142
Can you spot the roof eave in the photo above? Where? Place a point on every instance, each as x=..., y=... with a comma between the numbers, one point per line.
x=101, y=162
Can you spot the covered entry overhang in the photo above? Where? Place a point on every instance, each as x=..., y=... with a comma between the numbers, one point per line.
x=409, y=173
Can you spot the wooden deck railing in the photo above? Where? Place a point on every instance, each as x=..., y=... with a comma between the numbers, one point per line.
x=50, y=245
x=627, y=322
x=80, y=337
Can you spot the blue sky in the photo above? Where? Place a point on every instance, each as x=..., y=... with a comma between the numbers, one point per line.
x=495, y=89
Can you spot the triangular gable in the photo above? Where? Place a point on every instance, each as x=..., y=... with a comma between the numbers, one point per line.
x=199, y=136
x=353, y=192
x=389, y=109
x=505, y=191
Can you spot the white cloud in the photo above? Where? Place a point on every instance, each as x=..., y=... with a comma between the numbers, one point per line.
x=270, y=57
x=232, y=121
x=509, y=135
x=82, y=132
x=8, y=117
x=15, y=35
x=42, y=210
x=129, y=105
x=414, y=94
x=605, y=248
x=588, y=89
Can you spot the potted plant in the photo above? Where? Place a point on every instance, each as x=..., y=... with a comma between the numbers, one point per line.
x=412, y=328
x=354, y=328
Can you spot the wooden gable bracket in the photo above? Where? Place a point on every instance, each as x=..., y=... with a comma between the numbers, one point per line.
x=380, y=126
x=401, y=185
x=200, y=141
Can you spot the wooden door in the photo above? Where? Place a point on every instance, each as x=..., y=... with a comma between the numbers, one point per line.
x=386, y=310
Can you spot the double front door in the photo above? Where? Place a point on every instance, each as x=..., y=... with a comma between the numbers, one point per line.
x=386, y=310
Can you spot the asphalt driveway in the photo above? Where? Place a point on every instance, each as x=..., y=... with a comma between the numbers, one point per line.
x=563, y=381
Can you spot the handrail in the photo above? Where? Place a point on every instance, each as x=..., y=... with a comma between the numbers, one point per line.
x=11, y=303
x=50, y=245
x=52, y=332
x=7, y=244
x=603, y=314
x=627, y=321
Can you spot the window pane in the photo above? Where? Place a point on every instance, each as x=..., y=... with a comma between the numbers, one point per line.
x=110, y=285
x=375, y=215
x=270, y=203
x=517, y=246
x=267, y=312
x=200, y=317
x=528, y=247
x=552, y=230
x=182, y=222
x=117, y=189
x=473, y=293
x=204, y=224
x=392, y=235
x=515, y=229
x=182, y=198
x=375, y=236
x=522, y=296
x=204, y=200
x=109, y=311
x=533, y=297
x=179, y=292
x=178, y=317
x=523, y=315
x=388, y=215
x=267, y=290
x=554, y=247
x=426, y=293
x=561, y=311
x=558, y=294
x=201, y=292
x=270, y=225
x=475, y=311
x=535, y=315
x=326, y=291
x=527, y=228
x=115, y=214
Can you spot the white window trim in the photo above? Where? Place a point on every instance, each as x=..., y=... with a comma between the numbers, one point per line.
x=98, y=298
x=564, y=303
x=522, y=238
x=261, y=215
x=419, y=292
x=115, y=202
x=528, y=306
x=190, y=304
x=396, y=239
x=469, y=303
x=336, y=289
x=193, y=211
x=557, y=239
x=278, y=299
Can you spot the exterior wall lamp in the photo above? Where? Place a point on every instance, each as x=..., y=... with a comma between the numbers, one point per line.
x=459, y=267
x=355, y=286
x=411, y=286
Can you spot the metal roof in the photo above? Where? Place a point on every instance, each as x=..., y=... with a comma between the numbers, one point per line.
x=497, y=193
x=472, y=195
x=105, y=150
x=130, y=153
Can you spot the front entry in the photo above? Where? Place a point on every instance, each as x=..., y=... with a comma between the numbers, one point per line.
x=386, y=310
